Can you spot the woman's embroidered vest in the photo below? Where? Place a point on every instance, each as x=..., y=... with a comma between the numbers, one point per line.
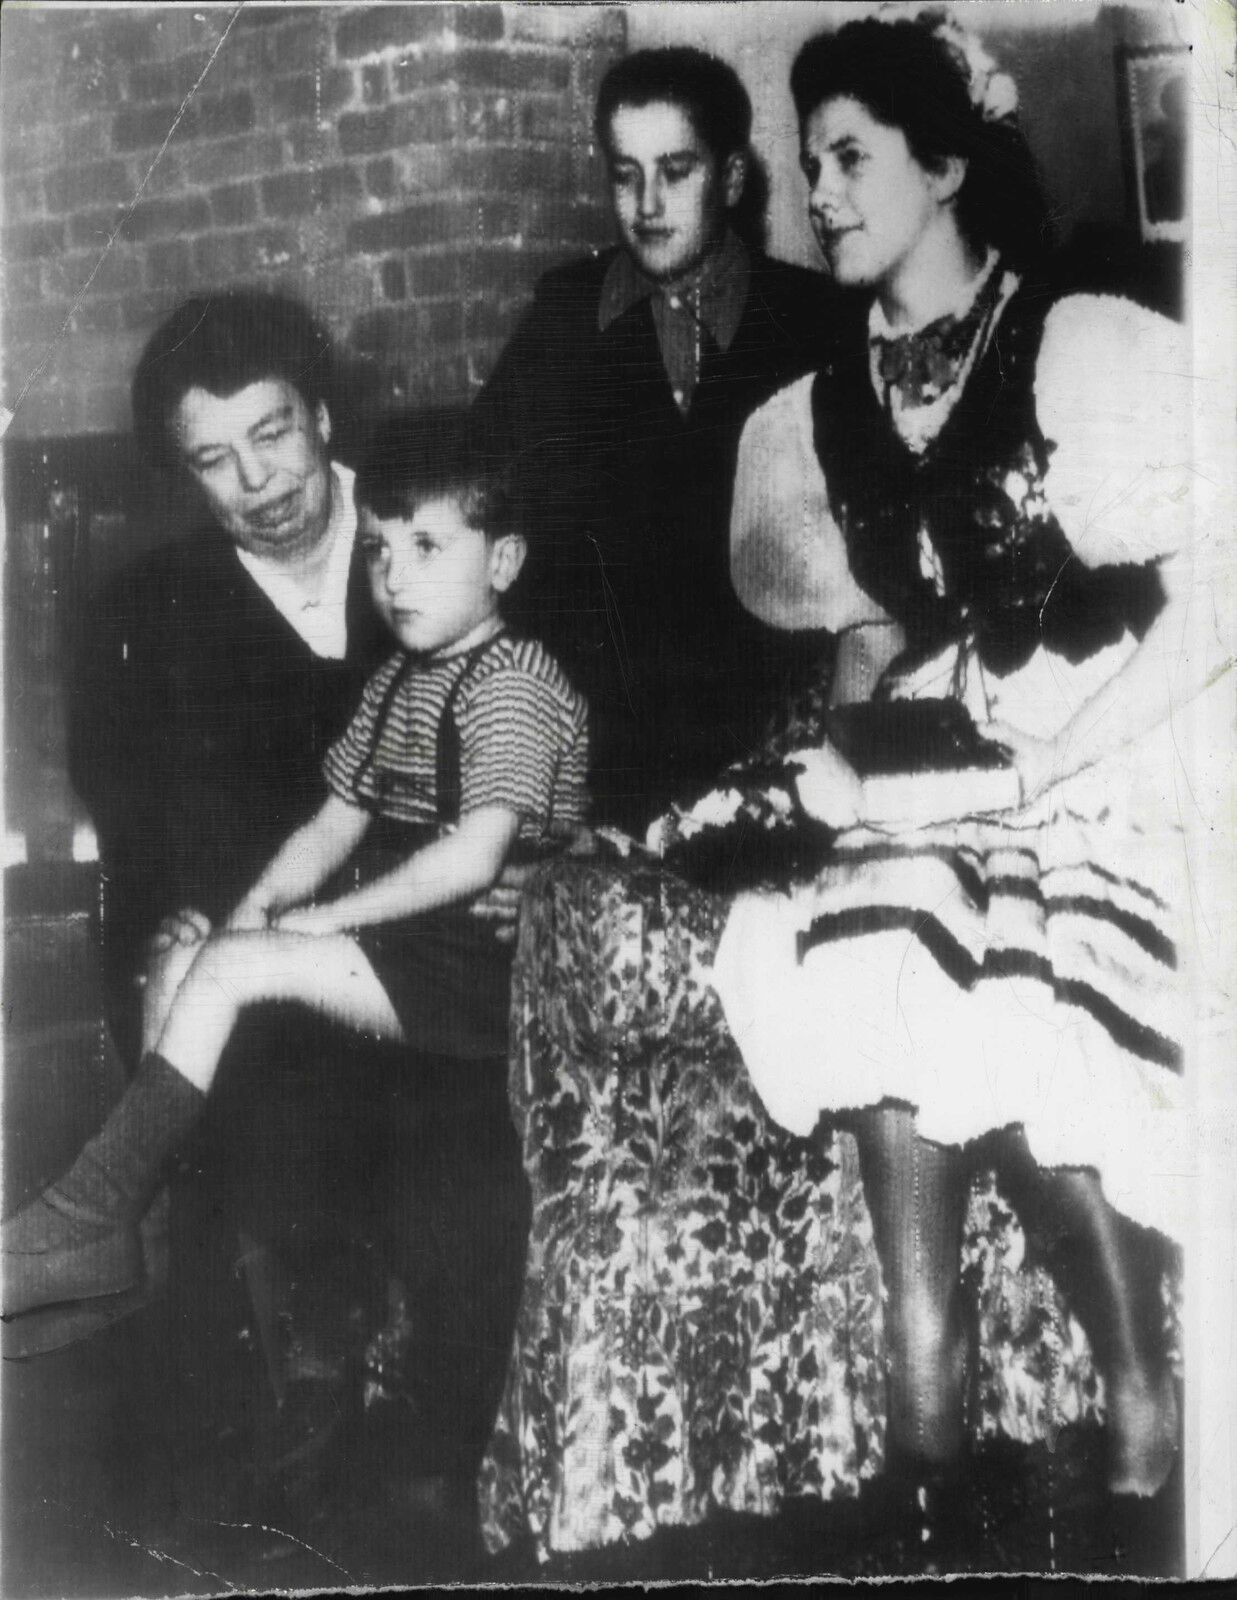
x=1008, y=579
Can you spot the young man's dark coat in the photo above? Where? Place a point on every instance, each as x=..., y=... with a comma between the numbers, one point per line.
x=630, y=502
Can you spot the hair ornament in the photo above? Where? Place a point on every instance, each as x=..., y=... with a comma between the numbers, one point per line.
x=993, y=93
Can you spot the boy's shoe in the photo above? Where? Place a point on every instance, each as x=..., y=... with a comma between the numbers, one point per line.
x=57, y=1251
x=52, y=1328
x=79, y=1239
x=46, y=1329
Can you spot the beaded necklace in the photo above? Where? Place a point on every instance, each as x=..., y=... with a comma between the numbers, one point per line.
x=918, y=376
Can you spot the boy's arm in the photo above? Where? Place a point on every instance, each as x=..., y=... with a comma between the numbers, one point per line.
x=453, y=868
x=304, y=862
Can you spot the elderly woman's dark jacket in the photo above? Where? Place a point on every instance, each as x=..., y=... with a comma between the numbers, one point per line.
x=198, y=725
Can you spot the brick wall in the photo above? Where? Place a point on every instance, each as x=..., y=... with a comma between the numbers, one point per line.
x=410, y=169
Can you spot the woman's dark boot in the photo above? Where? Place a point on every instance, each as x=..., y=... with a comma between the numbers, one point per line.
x=79, y=1239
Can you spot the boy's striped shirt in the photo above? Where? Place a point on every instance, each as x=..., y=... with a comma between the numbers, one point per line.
x=523, y=733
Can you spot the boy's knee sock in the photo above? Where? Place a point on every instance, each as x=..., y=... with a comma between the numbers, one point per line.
x=78, y=1239
x=117, y=1171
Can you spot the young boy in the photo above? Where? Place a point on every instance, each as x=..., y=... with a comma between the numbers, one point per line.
x=468, y=743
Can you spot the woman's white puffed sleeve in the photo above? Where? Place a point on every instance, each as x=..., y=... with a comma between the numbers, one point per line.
x=1114, y=400
x=787, y=554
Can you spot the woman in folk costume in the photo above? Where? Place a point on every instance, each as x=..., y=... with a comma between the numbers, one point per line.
x=1005, y=475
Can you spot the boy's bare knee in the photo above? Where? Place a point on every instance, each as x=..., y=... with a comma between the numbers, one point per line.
x=228, y=959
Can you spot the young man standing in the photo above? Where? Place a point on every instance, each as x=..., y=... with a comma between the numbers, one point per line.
x=623, y=394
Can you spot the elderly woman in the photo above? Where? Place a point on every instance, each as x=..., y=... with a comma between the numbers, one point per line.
x=1003, y=474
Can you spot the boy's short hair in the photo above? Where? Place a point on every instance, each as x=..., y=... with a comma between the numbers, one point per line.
x=222, y=342
x=416, y=457
x=708, y=90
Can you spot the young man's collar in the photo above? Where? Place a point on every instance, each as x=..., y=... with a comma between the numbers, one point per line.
x=716, y=293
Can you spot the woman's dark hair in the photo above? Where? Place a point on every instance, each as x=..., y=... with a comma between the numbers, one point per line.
x=707, y=90
x=750, y=216
x=416, y=457
x=222, y=343
x=908, y=76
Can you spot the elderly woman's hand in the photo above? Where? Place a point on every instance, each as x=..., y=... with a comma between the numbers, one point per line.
x=182, y=927
x=500, y=905
x=830, y=790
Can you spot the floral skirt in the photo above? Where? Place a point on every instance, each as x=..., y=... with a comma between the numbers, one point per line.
x=701, y=1326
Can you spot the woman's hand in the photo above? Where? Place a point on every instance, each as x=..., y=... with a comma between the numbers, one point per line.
x=830, y=790
x=1036, y=761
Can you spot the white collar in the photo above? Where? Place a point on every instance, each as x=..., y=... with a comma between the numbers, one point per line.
x=322, y=622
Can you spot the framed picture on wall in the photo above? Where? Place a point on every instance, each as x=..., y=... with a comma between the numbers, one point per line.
x=1154, y=97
